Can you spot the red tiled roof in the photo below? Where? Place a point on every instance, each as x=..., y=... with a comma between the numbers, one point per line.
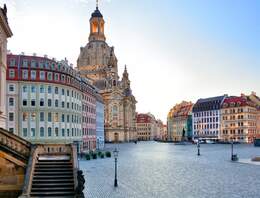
x=236, y=101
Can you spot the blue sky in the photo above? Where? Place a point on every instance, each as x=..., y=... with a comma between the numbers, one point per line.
x=175, y=49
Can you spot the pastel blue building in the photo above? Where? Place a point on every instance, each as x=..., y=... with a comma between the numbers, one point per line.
x=100, y=123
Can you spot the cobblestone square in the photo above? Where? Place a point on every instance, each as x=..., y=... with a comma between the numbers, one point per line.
x=151, y=169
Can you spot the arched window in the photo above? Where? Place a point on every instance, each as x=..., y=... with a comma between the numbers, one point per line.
x=114, y=111
x=94, y=27
x=49, y=131
x=56, y=132
x=41, y=132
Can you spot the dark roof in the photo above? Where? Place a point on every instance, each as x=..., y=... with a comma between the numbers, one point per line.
x=208, y=104
x=97, y=13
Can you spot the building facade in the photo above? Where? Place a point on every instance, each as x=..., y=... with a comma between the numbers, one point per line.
x=100, y=123
x=97, y=61
x=48, y=102
x=238, y=120
x=256, y=100
x=5, y=32
x=179, y=122
x=145, y=127
x=206, y=118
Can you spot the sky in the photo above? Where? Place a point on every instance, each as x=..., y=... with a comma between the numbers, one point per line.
x=174, y=50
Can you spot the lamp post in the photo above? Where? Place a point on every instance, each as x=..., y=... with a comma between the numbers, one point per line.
x=115, y=156
x=198, y=146
x=232, y=149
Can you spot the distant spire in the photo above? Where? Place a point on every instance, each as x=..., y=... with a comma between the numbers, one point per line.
x=97, y=4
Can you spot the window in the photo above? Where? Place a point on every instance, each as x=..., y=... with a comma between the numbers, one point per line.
x=24, y=89
x=68, y=105
x=11, y=116
x=41, y=132
x=63, y=132
x=56, y=77
x=11, y=130
x=11, y=102
x=49, y=90
x=24, y=132
x=24, y=102
x=33, y=63
x=41, y=116
x=63, y=92
x=62, y=104
x=11, y=73
x=56, y=131
x=68, y=132
x=32, y=132
x=68, y=93
x=47, y=65
x=25, y=116
x=25, y=74
x=33, y=89
x=41, y=102
x=42, y=75
x=25, y=63
x=56, y=103
x=49, y=131
x=41, y=89
x=56, y=117
x=68, y=118
x=11, y=88
x=41, y=64
x=49, y=102
x=12, y=62
x=49, y=117
x=33, y=75
x=33, y=116
x=49, y=76
x=63, y=118
x=33, y=103
x=56, y=90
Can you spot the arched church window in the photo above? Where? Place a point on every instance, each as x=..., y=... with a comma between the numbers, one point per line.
x=95, y=27
x=114, y=111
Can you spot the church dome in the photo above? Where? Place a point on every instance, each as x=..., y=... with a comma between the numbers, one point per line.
x=97, y=13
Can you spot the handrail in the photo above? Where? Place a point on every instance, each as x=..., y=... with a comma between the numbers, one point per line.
x=29, y=172
x=74, y=159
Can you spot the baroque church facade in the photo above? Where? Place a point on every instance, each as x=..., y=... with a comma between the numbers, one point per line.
x=97, y=61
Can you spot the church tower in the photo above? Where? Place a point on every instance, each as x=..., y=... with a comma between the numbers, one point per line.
x=97, y=61
x=97, y=24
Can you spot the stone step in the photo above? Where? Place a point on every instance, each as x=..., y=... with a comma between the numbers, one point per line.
x=52, y=176
x=50, y=184
x=54, y=170
x=52, y=180
x=49, y=194
x=53, y=163
x=52, y=189
x=53, y=173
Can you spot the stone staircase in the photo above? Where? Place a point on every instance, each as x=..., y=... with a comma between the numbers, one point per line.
x=53, y=177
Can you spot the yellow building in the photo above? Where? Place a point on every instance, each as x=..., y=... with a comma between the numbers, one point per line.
x=178, y=122
x=238, y=121
x=97, y=61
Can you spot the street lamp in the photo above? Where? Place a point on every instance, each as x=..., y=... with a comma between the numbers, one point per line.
x=115, y=156
x=198, y=146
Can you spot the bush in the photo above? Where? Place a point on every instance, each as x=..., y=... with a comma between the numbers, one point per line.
x=99, y=153
x=102, y=155
x=87, y=156
x=94, y=155
x=108, y=154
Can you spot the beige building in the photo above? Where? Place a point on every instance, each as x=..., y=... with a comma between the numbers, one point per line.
x=5, y=32
x=238, y=119
x=255, y=99
x=179, y=121
x=97, y=61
